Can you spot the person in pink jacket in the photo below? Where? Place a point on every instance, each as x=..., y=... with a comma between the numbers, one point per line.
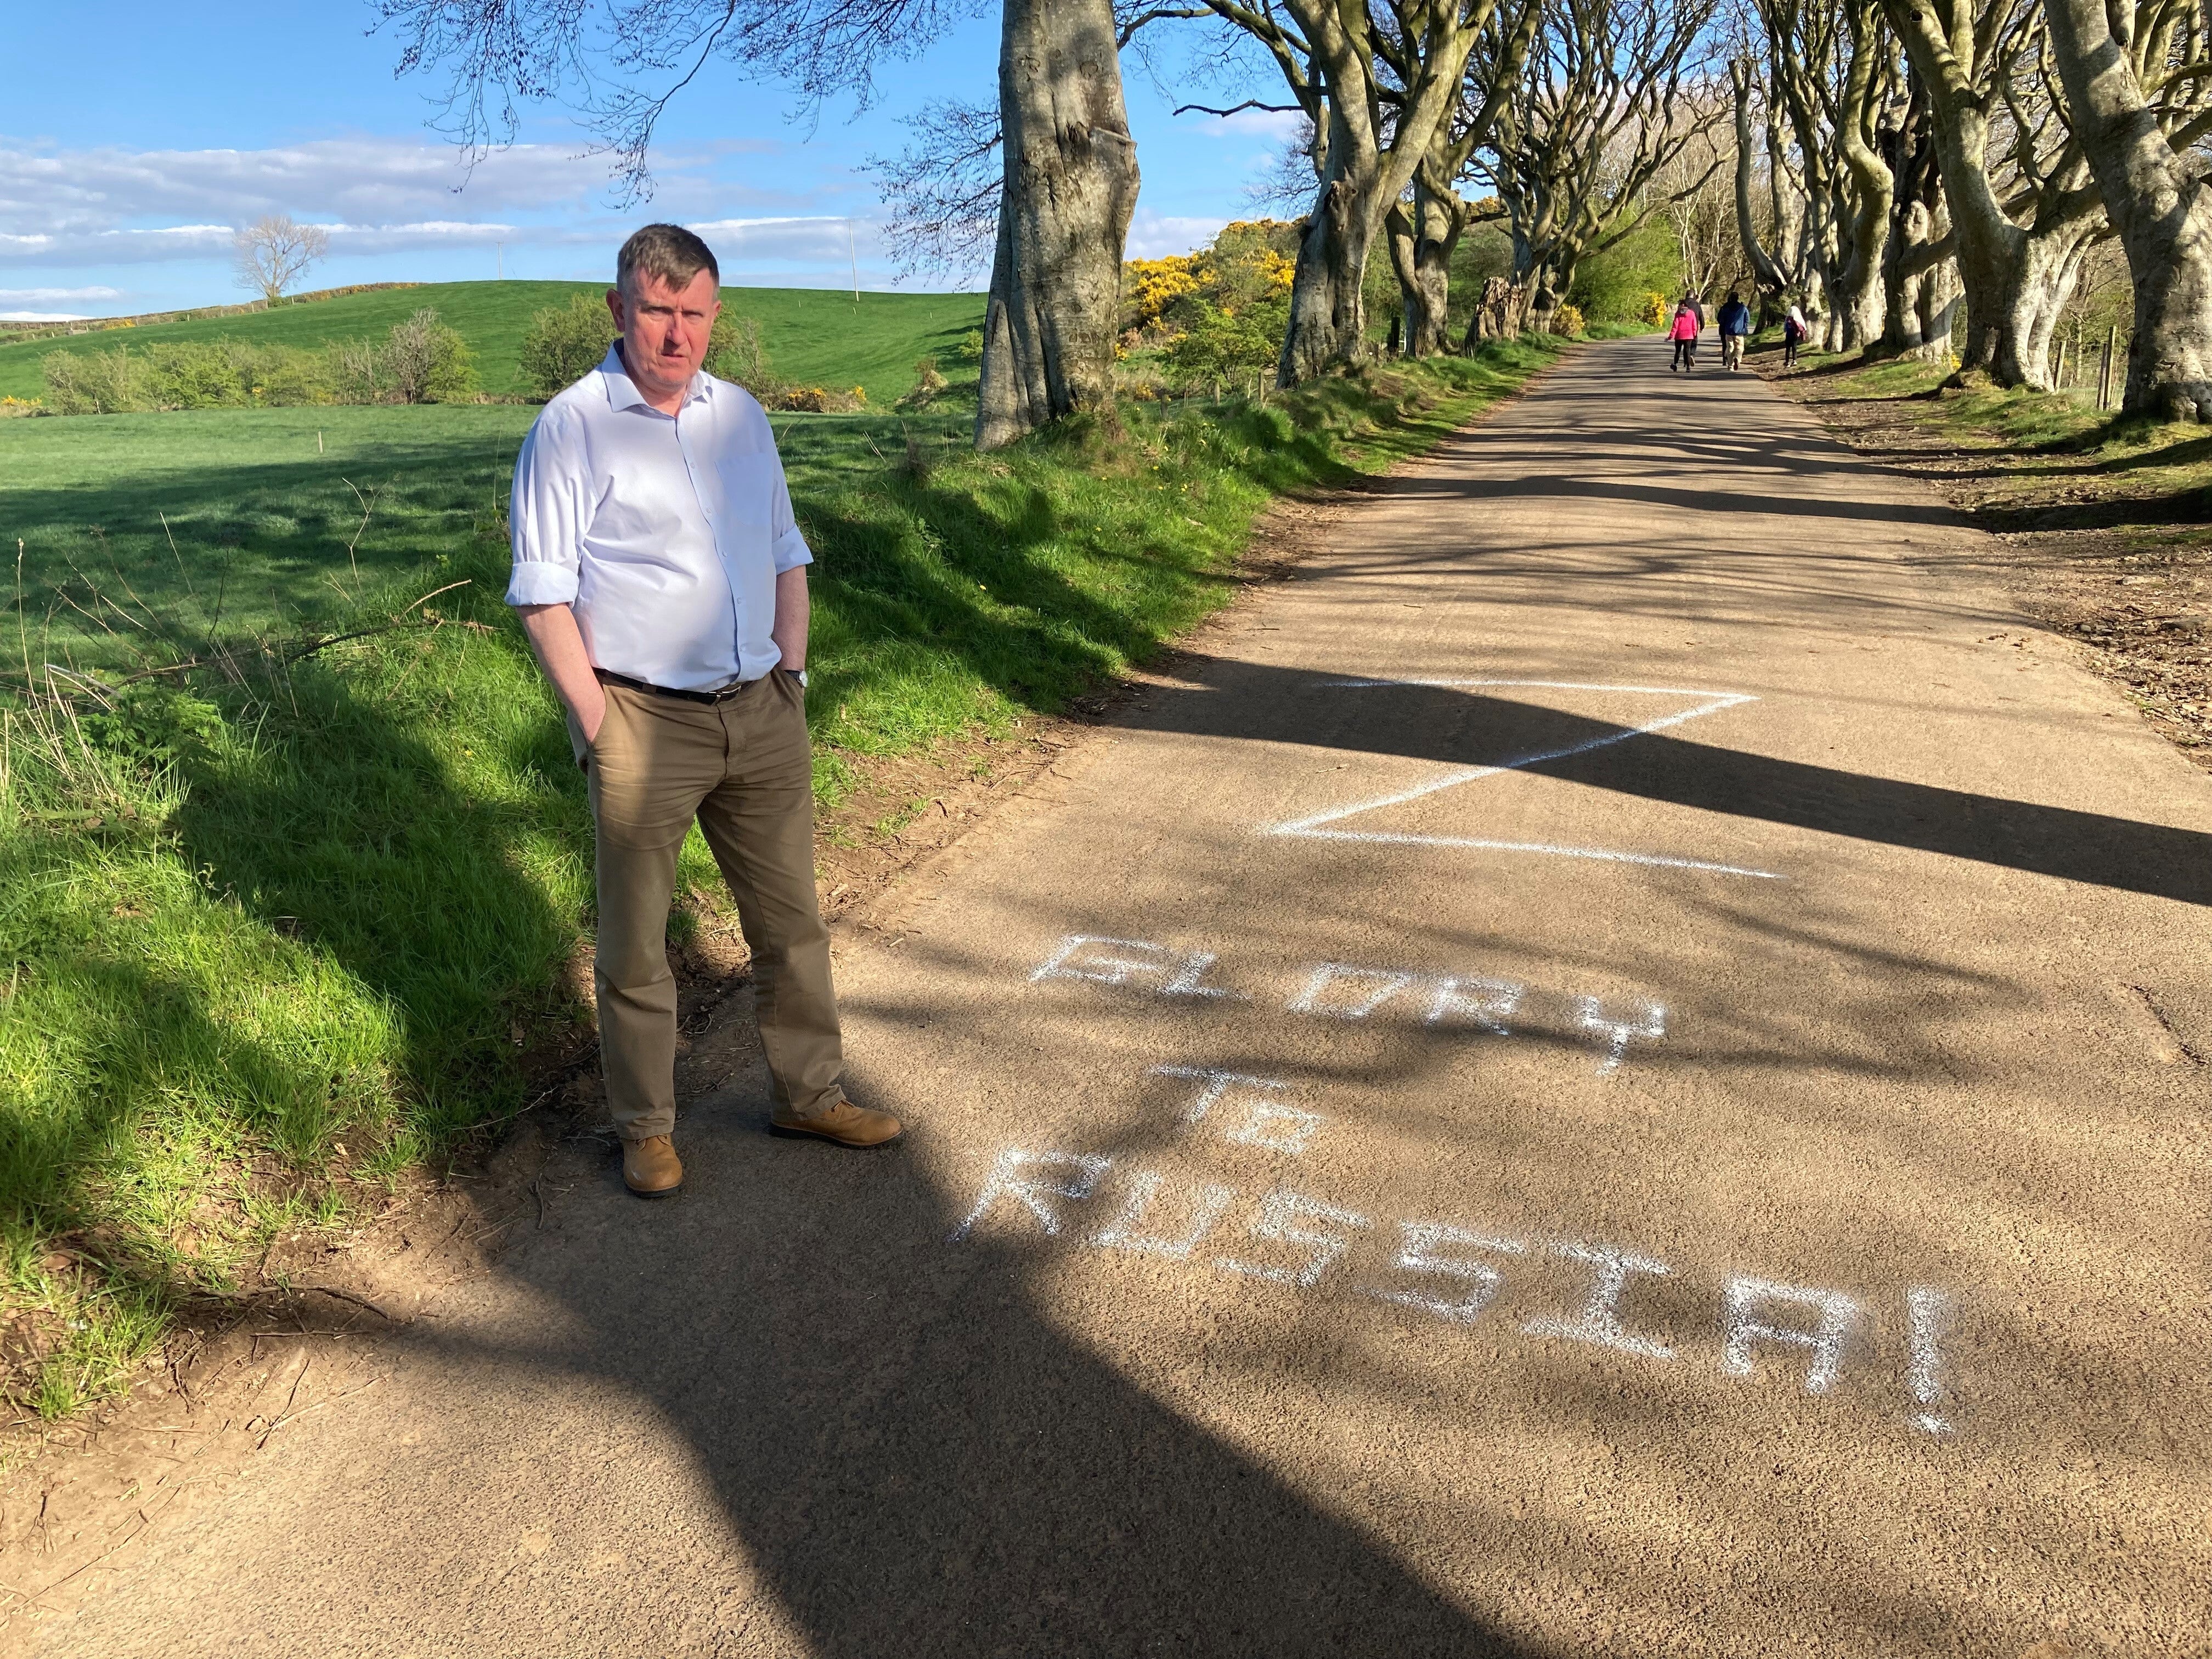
x=1689, y=320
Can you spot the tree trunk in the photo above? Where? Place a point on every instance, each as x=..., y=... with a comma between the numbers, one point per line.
x=2160, y=206
x=2016, y=277
x=1422, y=238
x=1070, y=186
x=1919, y=279
x=1328, y=313
x=1368, y=166
x=1865, y=231
x=1766, y=272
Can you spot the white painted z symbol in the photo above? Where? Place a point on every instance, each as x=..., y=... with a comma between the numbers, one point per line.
x=1317, y=827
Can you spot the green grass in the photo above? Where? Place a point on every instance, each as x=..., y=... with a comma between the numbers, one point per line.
x=814, y=336
x=2051, y=459
x=275, y=933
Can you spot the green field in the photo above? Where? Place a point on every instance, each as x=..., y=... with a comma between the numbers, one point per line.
x=280, y=926
x=815, y=337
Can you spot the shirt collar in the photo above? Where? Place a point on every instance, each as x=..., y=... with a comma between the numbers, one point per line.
x=623, y=392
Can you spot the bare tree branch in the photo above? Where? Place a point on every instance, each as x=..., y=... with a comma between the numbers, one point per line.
x=618, y=63
x=944, y=188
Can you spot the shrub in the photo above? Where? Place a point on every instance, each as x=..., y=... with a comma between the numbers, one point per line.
x=1218, y=345
x=1567, y=319
x=927, y=384
x=734, y=352
x=1655, y=310
x=563, y=344
x=815, y=399
x=94, y=382
x=192, y=375
x=425, y=361
x=971, y=346
x=1248, y=265
x=288, y=377
x=357, y=372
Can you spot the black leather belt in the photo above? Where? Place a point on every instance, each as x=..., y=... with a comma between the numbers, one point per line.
x=606, y=676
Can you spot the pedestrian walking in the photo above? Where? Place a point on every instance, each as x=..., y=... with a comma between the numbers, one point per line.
x=1794, y=331
x=662, y=582
x=1689, y=318
x=1734, y=321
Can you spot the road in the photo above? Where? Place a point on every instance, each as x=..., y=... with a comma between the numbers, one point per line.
x=1617, y=1066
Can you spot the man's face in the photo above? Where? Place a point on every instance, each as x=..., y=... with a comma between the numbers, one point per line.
x=664, y=330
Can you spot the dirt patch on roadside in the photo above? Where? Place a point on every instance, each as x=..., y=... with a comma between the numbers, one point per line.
x=2113, y=552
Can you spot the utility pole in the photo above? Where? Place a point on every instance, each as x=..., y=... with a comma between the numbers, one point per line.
x=852, y=247
x=502, y=246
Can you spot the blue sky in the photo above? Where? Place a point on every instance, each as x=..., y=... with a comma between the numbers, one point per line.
x=152, y=130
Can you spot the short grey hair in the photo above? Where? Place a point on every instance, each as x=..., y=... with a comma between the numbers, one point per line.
x=668, y=252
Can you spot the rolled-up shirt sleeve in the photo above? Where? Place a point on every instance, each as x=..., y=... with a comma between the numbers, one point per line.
x=790, y=549
x=548, y=513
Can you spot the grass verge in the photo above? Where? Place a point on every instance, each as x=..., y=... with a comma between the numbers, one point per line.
x=281, y=910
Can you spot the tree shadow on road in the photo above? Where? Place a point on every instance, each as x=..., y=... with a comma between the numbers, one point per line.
x=917, y=1458
x=1475, y=725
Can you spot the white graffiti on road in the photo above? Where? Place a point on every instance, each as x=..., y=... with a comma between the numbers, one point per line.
x=1303, y=1240
x=1337, y=990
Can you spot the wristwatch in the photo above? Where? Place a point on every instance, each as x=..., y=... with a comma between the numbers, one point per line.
x=799, y=674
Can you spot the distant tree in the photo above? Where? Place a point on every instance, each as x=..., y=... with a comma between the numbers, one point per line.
x=1376, y=83
x=273, y=253
x=1615, y=92
x=563, y=344
x=425, y=361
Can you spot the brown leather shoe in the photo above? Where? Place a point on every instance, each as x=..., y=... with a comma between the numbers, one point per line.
x=845, y=1123
x=651, y=1168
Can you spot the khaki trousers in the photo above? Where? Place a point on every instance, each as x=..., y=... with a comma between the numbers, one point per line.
x=743, y=769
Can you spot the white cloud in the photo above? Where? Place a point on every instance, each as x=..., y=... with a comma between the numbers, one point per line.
x=158, y=224
x=42, y=316
x=1279, y=125
x=21, y=295
x=814, y=239
x=1152, y=236
x=375, y=195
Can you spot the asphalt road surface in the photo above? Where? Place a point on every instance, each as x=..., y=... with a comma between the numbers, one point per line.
x=1617, y=1067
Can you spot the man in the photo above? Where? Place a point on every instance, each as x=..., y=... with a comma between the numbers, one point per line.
x=662, y=582
x=1734, y=321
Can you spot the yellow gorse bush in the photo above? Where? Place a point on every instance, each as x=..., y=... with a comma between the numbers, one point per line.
x=1244, y=266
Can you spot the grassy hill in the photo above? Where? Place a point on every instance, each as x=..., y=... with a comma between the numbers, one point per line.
x=815, y=336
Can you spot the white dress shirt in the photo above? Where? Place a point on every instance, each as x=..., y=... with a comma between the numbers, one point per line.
x=666, y=533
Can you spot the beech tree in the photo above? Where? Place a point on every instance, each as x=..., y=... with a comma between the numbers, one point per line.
x=1919, y=276
x=1616, y=92
x=2135, y=79
x=1782, y=266
x=2022, y=204
x=1835, y=74
x=1069, y=178
x=1070, y=188
x=1377, y=81
x=1425, y=228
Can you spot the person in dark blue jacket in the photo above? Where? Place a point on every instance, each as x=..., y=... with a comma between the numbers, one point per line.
x=1734, y=321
